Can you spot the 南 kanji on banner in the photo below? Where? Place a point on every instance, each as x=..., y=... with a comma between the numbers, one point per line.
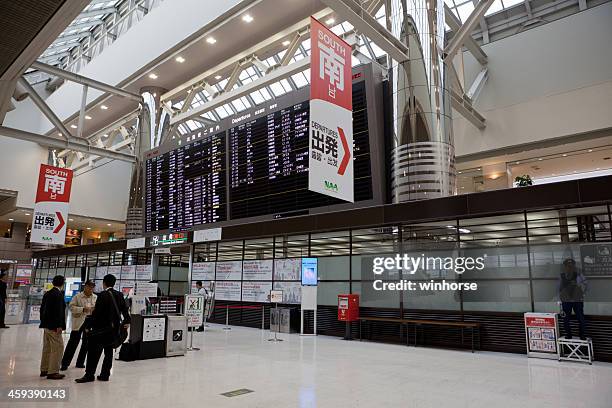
x=330, y=139
x=51, y=207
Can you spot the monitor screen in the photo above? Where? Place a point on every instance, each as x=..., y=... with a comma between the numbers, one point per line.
x=310, y=273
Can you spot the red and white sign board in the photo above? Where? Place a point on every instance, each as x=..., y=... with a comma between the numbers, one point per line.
x=51, y=207
x=541, y=332
x=330, y=138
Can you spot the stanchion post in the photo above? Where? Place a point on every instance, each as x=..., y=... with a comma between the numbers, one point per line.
x=227, y=318
x=263, y=317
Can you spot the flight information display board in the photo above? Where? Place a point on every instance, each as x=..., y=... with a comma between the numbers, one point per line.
x=269, y=161
x=186, y=186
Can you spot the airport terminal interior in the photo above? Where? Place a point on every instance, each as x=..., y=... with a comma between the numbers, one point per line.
x=306, y=203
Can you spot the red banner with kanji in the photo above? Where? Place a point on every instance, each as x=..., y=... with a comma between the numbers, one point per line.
x=51, y=205
x=330, y=148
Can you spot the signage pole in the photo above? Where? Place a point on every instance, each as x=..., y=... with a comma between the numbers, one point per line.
x=227, y=318
x=278, y=324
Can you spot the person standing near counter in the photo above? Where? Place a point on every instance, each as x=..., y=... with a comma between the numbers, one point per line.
x=81, y=306
x=53, y=321
x=110, y=312
x=3, y=286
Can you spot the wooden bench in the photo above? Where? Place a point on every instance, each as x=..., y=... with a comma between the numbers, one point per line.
x=473, y=326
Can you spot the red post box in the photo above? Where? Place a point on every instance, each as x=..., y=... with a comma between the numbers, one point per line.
x=348, y=308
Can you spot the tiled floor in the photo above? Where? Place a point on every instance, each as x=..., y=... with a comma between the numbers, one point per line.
x=315, y=372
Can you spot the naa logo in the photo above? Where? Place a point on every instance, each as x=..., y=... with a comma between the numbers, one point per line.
x=331, y=186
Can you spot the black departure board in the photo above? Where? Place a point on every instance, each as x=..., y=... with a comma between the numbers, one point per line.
x=269, y=161
x=186, y=186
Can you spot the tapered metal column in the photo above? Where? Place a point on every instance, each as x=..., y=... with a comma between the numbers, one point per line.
x=423, y=155
x=153, y=126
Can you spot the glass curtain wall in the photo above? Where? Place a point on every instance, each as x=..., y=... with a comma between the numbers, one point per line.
x=522, y=253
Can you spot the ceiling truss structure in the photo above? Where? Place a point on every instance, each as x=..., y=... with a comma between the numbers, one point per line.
x=200, y=101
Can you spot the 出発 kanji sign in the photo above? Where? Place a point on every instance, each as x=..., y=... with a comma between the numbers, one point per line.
x=51, y=207
x=330, y=139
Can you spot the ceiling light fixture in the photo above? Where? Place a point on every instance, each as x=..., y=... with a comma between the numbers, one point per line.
x=330, y=21
x=27, y=213
x=70, y=219
x=104, y=107
x=152, y=75
x=73, y=126
x=10, y=219
x=109, y=224
x=590, y=150
x=540, y=159
x=88, y=228
x=217, y=77
x=179, y=59
x=286, y=43
x=564, y=155
x=87, y=117
x=211, y=40
x=247, y=18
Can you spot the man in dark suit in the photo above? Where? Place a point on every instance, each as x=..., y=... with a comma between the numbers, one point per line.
x=3, y=286
x=53, y=321
x=105, y=315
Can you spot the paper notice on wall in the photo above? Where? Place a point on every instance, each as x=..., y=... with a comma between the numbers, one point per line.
x=101, y=271
x=115, y=270
x=128, y=272
x=257, y=270
x=229, y=270
x=256, y=291
x=204, y=271
x=228, y=291
x=292, y=291
x=144, y=272
x=287, y=269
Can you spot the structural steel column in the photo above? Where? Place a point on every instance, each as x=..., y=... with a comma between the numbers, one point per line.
x=423, y=154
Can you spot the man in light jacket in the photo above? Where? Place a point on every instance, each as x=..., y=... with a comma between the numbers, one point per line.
x=81, y=306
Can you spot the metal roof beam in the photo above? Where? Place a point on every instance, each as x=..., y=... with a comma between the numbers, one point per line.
x=270, y=41
x=74, y=144
x=465, y=31
x=471, y=44
x=368, y=25
x=274, y=76
x=71, y=76
x=96, y=12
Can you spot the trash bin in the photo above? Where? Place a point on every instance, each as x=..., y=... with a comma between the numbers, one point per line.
x=176, y=336
x=280, y=320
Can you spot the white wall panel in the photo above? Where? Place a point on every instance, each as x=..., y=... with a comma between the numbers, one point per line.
x=547, y=82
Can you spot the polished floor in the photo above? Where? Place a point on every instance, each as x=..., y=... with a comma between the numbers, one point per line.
x=314, y=372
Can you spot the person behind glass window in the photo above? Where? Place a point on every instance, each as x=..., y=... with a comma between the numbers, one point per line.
x=572, y=287
x=81, y=306
x=203, y=292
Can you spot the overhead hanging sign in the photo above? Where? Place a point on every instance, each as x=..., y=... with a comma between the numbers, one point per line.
x=51, y=207
x=330, y=137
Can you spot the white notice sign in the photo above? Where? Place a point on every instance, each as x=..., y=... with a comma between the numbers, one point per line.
x=207, y=235
x=204, y=271
x=154, y=329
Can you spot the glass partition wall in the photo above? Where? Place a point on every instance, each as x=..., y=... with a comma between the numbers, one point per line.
x=522, y=254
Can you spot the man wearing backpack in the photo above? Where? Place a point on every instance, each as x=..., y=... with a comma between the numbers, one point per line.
x=103, y=330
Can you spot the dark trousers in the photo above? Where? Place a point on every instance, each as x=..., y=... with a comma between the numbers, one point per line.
x=578, y=308
x=94, y=351
x=2, y=313
x=71, y=347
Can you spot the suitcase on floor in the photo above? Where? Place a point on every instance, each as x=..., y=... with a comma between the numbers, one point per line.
x=128, y=352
